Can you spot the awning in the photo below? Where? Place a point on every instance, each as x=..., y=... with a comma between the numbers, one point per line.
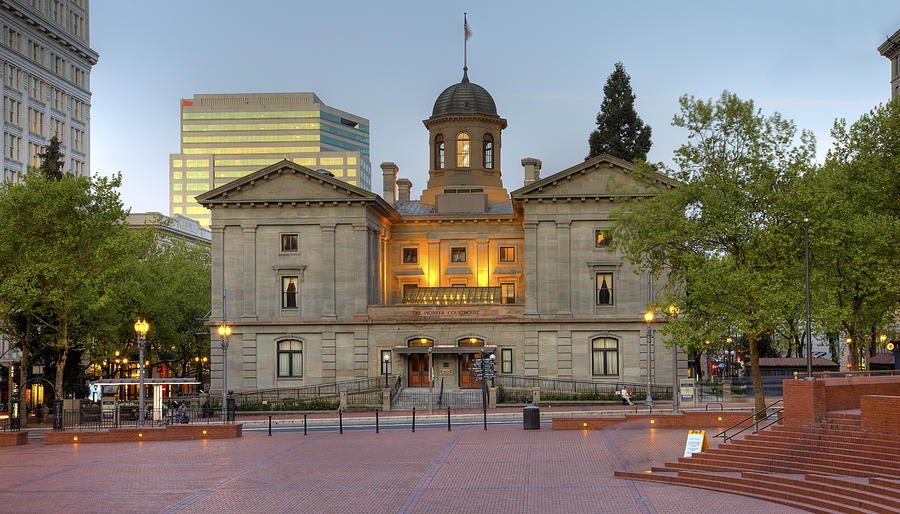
x=444, y=349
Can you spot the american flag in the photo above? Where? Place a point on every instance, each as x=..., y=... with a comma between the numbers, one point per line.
x=466, y=28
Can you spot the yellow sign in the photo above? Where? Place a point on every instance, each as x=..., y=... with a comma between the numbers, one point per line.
x=696, y=442
x=890, y=347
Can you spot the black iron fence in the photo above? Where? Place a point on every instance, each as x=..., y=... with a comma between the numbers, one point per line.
x=91, y=416
x=312, y=397
x=517, y=389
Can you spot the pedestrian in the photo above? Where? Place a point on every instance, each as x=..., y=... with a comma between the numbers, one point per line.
x=626, y=396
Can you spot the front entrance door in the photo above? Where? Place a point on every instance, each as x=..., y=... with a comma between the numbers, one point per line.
x=466, y=375
x=418, y=370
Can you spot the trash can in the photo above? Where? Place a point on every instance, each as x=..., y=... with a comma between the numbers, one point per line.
x=531, y=417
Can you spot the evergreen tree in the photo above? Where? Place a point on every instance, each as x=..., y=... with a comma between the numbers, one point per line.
x=52, y=161
x=620, y=132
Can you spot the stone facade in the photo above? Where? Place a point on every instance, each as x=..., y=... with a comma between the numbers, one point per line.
x=319, y=279
x=890, y=49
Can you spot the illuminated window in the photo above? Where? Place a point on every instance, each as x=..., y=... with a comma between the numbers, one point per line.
x=601, y=238
x=604, y=289
x=305, y=161
x=438, y=152
x=288, y=292
x=458, y=254
x=289, y=243
x=471, y=341
x=506, y=360
x=196, y=210
x=488, y=151
x=177, y=210
x=176, y=175
x=507, y=293
x=420, y=341
x=247, y=115
x=196, y=163
x=331, y=161
x=176, y=198
x=196, y=174
x=196, y=187
x=604, y=356
x=507, y=254
x=290, y=359
x=216, y=127
x=351, y=172
x=351, y=160
x=251, y=150
x=410, y=255
x=462, y=150
x=176, y=187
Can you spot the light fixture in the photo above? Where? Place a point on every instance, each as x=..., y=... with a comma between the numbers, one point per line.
x=648, y=316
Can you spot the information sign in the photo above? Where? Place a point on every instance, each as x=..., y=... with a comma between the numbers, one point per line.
x=696, y=442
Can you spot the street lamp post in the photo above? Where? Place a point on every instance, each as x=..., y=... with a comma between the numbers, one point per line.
x=141, y=327
x=809, y=372
x=384, y=367
x=224, y=332
x=648, y=317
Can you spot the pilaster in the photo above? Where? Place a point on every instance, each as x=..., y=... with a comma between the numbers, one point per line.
x=328, y=272
x=531, y=270
x=249, y=272
x=563, y=275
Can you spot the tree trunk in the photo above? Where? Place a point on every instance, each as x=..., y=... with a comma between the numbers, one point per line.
x=63, y=355
x=23, y=374
x=760, y=395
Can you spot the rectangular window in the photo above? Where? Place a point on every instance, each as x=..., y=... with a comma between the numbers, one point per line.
x=601, y=238
x=506, y=360
x=289, y=243
x=458, y=254
x=605, y=356
x=290, y=359
x=507, y=254
x=289, y=292
x=385, y=362
x=410, y=255
x=604, y=288
x=507, y=293
x=458, y=284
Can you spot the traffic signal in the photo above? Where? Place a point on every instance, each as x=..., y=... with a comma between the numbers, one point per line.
x=848, y=365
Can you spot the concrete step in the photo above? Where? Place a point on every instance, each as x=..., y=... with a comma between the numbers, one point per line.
x=859, y=484
x=806, y=453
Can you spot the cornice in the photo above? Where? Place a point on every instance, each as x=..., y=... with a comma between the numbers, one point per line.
x=37, y=20
x=430, y=122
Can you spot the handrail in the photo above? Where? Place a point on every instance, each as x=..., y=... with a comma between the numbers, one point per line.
x=441, y=395
x=859, y=373
x=721, y=405
x=724, y=433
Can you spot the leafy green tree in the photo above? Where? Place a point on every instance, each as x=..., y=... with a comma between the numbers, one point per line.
x=61, y=243
x=52, y=160
x=724, y=238
x=620, y=132
x=855, y=226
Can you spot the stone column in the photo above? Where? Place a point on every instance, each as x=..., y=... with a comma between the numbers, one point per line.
x=531, y=269
x=217, y=259
x=361, y=275
x=563, y=275
x=249, y=272
x=328, y=271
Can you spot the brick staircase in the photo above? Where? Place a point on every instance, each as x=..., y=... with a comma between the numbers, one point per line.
x=833, y=466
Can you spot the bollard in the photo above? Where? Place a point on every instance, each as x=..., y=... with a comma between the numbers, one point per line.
x=341, y=420
x=376, y=421
x=448, y=419
x=304, y=424
x=414, y=420
x=485, y=419
x=270, y=425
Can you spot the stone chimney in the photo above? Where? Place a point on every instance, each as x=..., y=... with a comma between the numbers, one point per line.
x=403, y=187
x=389, y=174
x=532, y=170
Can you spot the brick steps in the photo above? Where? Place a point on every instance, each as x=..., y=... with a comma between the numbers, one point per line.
x=831, y=467
x=809, y=504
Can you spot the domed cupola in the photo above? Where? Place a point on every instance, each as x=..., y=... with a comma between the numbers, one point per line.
x=464, y=139
x=464, y=98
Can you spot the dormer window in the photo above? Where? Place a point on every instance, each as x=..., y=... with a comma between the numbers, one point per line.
x=462, y=150
x=488, y=151
x=438, y=152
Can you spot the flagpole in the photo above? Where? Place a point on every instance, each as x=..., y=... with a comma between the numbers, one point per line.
x=465, y=40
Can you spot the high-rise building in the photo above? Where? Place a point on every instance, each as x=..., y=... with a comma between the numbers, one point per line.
x=224, y=137
x=891, y=50
x=46, y=69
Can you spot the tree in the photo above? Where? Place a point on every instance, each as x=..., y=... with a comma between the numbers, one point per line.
x=52, y=160
x=61, y=243
x=724, y=237
x=620, y=132
x=855, y=226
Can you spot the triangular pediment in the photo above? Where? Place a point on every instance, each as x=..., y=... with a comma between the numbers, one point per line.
x=604, y=175
x=285, y=181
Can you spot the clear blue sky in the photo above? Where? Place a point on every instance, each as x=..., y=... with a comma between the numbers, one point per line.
x=544, y=63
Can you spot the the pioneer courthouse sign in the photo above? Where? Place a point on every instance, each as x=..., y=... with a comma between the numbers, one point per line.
x=446, y=313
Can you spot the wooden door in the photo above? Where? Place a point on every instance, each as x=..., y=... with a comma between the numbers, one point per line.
x=466, y=375
x=418, y=370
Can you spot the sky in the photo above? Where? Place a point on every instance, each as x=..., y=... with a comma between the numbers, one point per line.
x=545, y=64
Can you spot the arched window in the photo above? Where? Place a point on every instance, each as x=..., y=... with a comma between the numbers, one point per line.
x=290, y=359
x=462, y=150
x=420, y=341
x=605, y=356
x=470, y=341
x=438, y=152
x=488, y=151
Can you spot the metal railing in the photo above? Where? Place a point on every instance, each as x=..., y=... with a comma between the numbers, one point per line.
x=268, y=399
x=92, y=417
x=555, y=389
x=463, y=398
x=863, y=373
x=395, y=390
x=761, y=416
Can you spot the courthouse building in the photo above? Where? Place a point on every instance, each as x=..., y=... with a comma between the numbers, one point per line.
x=323, y=279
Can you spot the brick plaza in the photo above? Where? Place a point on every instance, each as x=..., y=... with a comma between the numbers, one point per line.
x=504, y=469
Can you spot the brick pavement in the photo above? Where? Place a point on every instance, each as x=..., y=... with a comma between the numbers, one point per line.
x=504, y=469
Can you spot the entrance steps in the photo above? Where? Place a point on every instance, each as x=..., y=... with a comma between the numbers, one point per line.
x=834, y=466
x=417, y=397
